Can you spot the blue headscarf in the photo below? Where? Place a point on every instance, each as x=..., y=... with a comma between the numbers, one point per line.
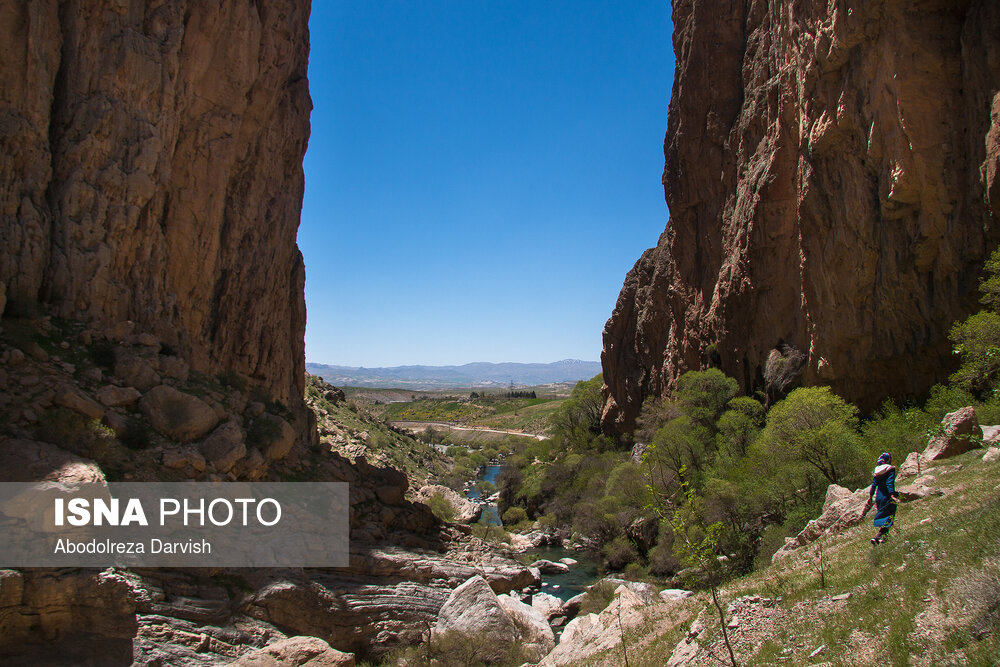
x=884, y=457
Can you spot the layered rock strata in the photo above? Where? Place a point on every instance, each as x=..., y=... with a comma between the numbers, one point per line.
x=151, y=172
x=832, y=179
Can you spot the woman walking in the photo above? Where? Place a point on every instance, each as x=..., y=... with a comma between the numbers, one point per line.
x=883, y=491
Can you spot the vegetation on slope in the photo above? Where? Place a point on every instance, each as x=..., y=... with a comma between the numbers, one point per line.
x=351, y=430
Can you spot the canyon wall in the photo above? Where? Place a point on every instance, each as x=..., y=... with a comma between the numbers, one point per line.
x=151, y=166
x=831, y=175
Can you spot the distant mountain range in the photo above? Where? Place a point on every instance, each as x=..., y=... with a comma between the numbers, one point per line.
x=478, y=374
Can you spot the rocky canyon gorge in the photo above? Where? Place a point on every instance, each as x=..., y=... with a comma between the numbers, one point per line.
x=151, y=166
x=831, y=178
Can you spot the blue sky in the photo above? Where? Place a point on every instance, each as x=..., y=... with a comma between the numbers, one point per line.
x=481, y=175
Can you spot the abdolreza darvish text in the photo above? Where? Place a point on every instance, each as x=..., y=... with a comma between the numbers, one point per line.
x=155, y=546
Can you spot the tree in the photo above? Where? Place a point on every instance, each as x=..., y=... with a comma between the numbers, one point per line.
x=704, y=394
x=738, y=427
x=977, y=339
x=697, y=545
x=815, y=426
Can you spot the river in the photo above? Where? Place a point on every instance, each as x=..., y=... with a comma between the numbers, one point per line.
x=563, y=586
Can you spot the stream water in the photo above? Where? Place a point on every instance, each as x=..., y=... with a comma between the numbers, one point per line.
x=563, y=586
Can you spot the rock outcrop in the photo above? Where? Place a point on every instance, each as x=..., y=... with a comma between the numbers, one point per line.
x=465, y=510
x=151, y=175
x=832, y=179
x=960, y=432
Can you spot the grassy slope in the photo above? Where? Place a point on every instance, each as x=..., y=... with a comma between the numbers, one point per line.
x=346, y=427
x=929, y=596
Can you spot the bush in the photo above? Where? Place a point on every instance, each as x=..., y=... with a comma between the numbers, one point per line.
x=619, y=552
x=138, y=434
x=597, y=599
x=514, y=516
x=441, y=508
x=817, y=428
x=75, y=433
x=262, y=432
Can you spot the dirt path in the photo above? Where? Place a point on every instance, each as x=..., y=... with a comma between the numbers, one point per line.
x=422, y=426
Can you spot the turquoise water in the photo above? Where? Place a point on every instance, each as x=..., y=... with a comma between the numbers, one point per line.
x=574, y=582
x=491, y=515
x=563, y=586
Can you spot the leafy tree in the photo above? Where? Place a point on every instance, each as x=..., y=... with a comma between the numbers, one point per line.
x=704, y=394
x=737, y=428
x=818, y=428
x=580, y=416
x=977, y=339
x=679, y=445
x=696, y=543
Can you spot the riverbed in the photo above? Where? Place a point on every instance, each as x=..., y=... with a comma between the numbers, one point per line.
x=563, y=586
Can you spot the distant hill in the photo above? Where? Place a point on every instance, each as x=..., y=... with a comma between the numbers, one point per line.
x=477, y=374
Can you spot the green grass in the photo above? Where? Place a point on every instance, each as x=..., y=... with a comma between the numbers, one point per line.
x=941, y=576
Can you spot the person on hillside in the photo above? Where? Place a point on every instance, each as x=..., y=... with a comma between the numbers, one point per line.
x=883, y=492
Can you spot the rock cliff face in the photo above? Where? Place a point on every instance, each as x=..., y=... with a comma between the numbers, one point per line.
x=831, y=174
x=151, y=171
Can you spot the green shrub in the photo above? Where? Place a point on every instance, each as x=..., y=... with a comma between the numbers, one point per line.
x=597, y=599
x=262, y=432
x=514, y=515
x=74, y=432
x=441, y=507
x=138, y=434
x=489, y=533
x=619, y=552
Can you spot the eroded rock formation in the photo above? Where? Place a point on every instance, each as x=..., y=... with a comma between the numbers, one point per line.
x=831, y=175
x=151, y=171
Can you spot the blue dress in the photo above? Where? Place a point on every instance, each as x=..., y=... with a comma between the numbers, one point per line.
x=883, y=486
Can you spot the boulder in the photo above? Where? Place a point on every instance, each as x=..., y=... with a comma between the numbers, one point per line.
x=916, y=492
x=282, y=436
x=549, y=567
x=992, y=454
x=568, y=561
x=586, y=635
x=533, y=627
x=176, y=415
x=645, y=592
x=913, y=465
x=466, y=511
x=547, y=605
x=33, y=461
x=175, y=367
x=571, y=607
x=474, y=608
x=135, y=371
x=114, y=396
x=70, y=397
x=225, y=446
x=961, y=432
x=991, y=434
x=842, y=509
x=674, y=594
x=179, y=458
x=298, y=651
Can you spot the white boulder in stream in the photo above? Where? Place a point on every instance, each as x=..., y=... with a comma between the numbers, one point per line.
x=548, y=567
x=548, y=605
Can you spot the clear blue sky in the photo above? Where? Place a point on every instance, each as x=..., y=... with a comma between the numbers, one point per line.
x=481, y=175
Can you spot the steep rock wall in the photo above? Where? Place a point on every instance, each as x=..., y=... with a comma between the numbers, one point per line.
x=831, y=175
x=151, y=170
